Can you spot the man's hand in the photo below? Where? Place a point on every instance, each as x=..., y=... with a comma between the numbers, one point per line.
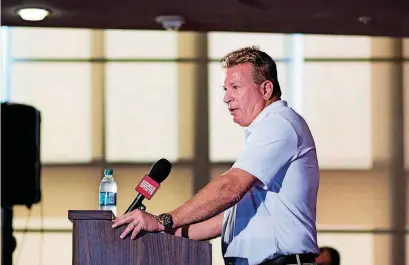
x=138, y=220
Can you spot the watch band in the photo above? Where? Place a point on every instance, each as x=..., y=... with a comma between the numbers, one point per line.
x=165, y=219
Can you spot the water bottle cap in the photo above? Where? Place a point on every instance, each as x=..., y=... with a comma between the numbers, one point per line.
x=108, y=171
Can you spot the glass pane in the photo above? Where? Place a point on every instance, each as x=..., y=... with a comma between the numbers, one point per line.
x=227, y=137
x=51, y=43
x=221, y=43
x=141, y=111
x=353, y=248
x=140, y=44
x=334, y=46
x=61, y=92
x=338, y=111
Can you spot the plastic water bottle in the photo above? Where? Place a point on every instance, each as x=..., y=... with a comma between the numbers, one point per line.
x=108, y=192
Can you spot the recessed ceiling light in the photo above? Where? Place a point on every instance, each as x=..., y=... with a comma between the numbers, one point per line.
x=33, y=14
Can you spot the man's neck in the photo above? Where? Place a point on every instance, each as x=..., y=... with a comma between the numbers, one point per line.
x=271, y=101
x=267, y=103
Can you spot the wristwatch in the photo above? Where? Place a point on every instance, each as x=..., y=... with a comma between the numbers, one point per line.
x=165, y=219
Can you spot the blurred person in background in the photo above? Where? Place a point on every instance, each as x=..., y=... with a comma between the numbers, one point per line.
x=328, y=256
x=264, y=206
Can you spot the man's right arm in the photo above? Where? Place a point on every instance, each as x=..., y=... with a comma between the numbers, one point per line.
x=205, y=230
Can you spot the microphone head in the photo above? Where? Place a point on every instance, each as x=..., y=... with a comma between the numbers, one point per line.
x=160, y=170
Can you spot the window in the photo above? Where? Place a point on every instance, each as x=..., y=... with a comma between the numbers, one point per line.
x=45, y=75
x=141, y=84
x=332, y=46
x=61, y=92
x=337, y=99
x=221, y=43
x=141, y=111
x=337, y=105
x=140, y=44
x=353, y=248
x=50, y=43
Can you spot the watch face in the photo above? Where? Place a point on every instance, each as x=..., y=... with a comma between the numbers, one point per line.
x=166, y=219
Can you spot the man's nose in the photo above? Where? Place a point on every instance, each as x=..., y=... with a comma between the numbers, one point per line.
x=227, y=98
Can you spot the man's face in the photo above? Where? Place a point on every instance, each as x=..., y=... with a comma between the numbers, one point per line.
x=244, y=98
x=324, y=258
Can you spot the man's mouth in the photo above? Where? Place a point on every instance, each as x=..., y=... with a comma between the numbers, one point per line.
x=232, y=110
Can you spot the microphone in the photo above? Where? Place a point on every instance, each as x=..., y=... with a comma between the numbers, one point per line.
x=151, y=183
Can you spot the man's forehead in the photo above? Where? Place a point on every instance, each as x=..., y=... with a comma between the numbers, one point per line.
x=236, y=73
x=232, y=76
x=241, y=68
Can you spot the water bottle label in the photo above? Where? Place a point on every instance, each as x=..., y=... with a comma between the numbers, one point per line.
x=107, y=199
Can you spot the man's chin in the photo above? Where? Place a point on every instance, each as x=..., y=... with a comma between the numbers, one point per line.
x=239, y=122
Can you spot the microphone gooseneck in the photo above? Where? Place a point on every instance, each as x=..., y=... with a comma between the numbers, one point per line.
x=138, y=201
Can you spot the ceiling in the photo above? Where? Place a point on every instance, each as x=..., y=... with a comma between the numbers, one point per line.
x=387, y=17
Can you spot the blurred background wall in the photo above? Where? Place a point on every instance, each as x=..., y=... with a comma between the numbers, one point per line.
x=125, y=98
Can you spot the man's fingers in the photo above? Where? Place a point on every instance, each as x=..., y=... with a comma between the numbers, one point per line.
x=118, y=223
x=122, y=220
x=128, y=229
x=136, y=231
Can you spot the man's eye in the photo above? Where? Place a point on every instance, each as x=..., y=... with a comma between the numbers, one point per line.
x=235, y=87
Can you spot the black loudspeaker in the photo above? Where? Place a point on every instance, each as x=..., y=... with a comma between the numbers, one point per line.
x=20, y=155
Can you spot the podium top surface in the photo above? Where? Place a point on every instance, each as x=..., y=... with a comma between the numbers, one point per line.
x=90, y=215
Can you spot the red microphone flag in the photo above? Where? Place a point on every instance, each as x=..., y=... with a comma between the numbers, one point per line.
x=147, y=187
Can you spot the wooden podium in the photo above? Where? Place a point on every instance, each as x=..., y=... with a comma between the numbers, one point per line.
x=95, y=242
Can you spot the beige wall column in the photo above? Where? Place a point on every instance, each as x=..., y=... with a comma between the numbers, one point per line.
x=388, y=150
x=98, y=96
x=193, y=105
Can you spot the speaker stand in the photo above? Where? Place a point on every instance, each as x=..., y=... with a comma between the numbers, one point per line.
x=8, y=241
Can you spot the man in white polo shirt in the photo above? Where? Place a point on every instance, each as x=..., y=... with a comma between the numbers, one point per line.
x=264, y=207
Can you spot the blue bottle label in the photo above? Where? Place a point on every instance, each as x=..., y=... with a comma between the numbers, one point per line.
x=107, y=199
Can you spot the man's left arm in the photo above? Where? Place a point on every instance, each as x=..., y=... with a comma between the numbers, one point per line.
x=266, y=152
x=271, y=145
x=217, y=196
x=220, y=194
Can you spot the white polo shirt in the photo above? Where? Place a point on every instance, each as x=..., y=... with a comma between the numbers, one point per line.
x=277, y=216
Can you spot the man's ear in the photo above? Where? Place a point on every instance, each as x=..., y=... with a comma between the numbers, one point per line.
x=267, y=88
